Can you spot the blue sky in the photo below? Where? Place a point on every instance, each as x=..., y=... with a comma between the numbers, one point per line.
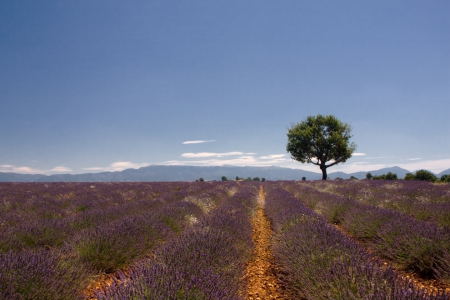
x=90, y=86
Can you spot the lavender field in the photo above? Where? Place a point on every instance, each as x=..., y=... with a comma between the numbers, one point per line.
x=193, y=240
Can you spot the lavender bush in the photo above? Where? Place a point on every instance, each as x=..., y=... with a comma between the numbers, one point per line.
x=320, y=262
x=63, y=235
x=206, y=262
x=414, y=245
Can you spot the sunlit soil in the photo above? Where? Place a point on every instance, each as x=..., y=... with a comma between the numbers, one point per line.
x=262, y=282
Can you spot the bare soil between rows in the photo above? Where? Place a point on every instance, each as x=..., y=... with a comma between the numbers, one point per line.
x=261, y=271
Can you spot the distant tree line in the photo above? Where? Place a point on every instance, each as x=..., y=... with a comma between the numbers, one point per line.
x=422, y=175
x=224, y=178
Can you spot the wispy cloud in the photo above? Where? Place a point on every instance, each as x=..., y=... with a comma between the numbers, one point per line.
x=435, y=166
x=28, y=170
x=244, y=159
x=6, y=166
x=198, y=142
x=272, y=156
x=61, y=169
x=358, y=154
x=210, y=154
x=117, y=166
x=417, y=158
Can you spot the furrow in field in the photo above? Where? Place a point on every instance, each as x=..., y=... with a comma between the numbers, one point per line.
x=261, y=271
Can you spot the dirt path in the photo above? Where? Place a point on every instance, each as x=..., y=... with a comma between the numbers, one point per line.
x=263, y=284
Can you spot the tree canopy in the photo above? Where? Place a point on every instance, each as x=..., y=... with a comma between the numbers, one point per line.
x=320, y=140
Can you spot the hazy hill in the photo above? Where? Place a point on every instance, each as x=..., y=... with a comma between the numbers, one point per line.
x=361, y=175
x=444, y=173
x=185, y=173
x=190, y=173
x=16, y=177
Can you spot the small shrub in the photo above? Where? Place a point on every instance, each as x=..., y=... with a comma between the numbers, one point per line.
x=425, y=175
x=445, y=178
x=409, y=176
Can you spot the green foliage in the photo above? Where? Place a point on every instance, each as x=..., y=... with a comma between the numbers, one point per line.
x=445, y=178
x=353, y=178
x=369, y=176
x=320, y=139
x=391, y=176
x=263, y=179
x=237, y=178
x=303, y=178
x=104, y=254
x=425, y=175
x=409, y=176
x=201, y=179
x=248, y=179
x=224, y=178
x=256, y=179
x=387, y=176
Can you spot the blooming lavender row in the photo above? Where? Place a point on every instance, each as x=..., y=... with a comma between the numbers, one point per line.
x=320, y=262
x=105, y=247
x=49, y=219
x=422, y=247
x=206, y=262
x=423, y=200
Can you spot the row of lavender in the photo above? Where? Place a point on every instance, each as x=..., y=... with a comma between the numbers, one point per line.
x=419, y=246
x=320, y=262
x=423, y=200
x=34, y=215
x=206, y=262
x=56, y=258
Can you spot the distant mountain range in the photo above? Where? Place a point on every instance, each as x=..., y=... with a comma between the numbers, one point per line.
x=191, y=173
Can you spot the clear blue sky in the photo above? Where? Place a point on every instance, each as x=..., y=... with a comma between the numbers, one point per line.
x=88, y=86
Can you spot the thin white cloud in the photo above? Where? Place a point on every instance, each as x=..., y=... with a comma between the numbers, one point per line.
x=198, y=142
x=28, y=170
x=6, y=166
x=94, y=169
x=122, y=165
x=20, y=170
x=417, y=158
x=210, y=154
x=435, y=166
x=271, y=156
x=244, y=160
x=61, y=169
x=358, y=154
x=117, y=166
x=377, y=157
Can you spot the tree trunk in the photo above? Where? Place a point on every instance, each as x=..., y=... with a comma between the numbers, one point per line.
x=324, y=172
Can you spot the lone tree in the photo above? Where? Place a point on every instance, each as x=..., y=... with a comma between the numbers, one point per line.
x=319, y=140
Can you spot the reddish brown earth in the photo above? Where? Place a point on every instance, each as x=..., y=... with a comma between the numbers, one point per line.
x=261, y=271
x=103, y=281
